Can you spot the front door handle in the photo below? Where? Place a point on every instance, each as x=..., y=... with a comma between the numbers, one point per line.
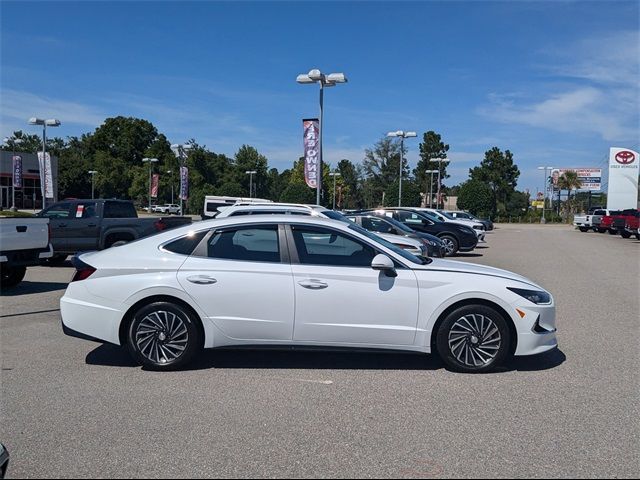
x=202, y=280
x=313, y=284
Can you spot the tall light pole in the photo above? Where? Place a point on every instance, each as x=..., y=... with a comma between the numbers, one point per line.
x=93, y=174
x=170, y=172
x=544, y=192
x=334, y=175
x=52, y=122
x=251, y=173
x=14, y=141
x=440, y=162
x=430, y=187
x=331, y=80
x=402, y=136
x=150, y=161
x=181, y=150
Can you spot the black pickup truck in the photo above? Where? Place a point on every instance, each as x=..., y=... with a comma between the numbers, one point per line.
x=81, y=225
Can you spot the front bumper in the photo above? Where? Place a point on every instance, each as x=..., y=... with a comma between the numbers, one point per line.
x=536, y=330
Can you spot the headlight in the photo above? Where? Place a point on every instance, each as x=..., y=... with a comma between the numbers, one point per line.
x=534, y=296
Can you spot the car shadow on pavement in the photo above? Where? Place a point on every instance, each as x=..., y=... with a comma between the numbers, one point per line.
x=467, y=255
x=114, y=356
x=243, y=358
x=26, y=287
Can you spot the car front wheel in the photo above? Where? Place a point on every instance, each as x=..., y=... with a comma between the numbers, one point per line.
x=164, y=336
x=450, y=245
x=473, y=339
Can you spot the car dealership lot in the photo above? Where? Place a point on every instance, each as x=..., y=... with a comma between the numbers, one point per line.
x=72, y=408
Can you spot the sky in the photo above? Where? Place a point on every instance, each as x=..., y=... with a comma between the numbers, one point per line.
x=556, y=83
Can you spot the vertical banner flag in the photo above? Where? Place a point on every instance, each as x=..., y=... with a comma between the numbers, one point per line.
x=154, y=185
x=46, y=175
x=184, y=183
x=17, y=171
x=624, y=166
x=311, y=151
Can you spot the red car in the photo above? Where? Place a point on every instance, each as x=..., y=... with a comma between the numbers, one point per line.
x=627, y=222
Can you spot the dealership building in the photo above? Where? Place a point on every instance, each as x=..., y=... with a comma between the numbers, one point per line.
x=29, y=197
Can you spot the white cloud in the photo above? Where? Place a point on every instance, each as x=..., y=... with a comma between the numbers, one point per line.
x=18, y=106
x=602, y=99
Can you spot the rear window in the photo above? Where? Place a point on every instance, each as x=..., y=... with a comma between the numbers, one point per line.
x=119, y=210
x=187, y=244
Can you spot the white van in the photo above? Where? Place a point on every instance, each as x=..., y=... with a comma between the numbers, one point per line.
x=212, y=203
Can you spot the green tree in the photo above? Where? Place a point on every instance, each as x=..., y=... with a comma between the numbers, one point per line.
x=410, y=194
x=569, y=181
x=500, y=173
x=477, y=197
x=381, y=166
x=352, y=190
x=298, y=193
x=73, y=167
x=247, y=158
x=431, y=147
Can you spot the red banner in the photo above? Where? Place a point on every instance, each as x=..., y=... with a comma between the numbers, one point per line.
x=154, y=185
x=311, y=151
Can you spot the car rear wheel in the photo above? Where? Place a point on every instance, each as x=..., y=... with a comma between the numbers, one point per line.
x=11, y=276
x=613, y=232
x=473, y=339
x=625, y=234
x=584, y=229
x=602, y=230
x=450, y=245
x=164, y=336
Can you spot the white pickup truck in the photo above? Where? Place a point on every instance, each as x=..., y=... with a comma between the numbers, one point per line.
x=591, y=221
x=24, y=242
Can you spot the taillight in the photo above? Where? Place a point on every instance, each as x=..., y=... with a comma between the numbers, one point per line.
x=83, y=270
x=159, y=225
x=83, y=274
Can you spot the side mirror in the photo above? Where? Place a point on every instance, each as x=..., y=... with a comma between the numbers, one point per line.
x=384, y=264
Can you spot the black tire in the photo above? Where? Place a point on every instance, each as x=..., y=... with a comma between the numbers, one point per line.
x=584, y=229
x=118, y=243
x=153, y=322
x=625, y=234
x=450, y=244
x=451, y=345
x=602, y=230
x=613, y=232
x=637, y=236
x=11, y=276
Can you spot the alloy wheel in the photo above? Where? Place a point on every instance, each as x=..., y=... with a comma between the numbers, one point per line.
x=161, y=337
x=448, y=245
x=474, y=340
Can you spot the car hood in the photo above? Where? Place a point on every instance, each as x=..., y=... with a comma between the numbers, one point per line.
x=439, y=264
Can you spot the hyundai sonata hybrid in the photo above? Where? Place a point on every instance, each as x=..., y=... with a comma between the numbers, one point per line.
x=287, y=280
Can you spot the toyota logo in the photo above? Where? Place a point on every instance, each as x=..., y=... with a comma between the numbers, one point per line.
x=625, y=157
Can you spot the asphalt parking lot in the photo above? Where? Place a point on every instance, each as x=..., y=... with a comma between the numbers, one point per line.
x=75, y=409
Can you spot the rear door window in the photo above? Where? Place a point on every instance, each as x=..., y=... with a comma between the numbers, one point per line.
x=249, y=243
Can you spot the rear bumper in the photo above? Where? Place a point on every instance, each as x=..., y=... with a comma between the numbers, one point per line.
x=26, y=258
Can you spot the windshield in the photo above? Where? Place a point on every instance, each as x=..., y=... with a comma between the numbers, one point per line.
x=403, y=253
x=332, y=214
x=397, y=225
x=431, y=216
x=448, y=215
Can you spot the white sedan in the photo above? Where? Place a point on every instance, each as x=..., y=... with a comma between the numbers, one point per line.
x=287, y=280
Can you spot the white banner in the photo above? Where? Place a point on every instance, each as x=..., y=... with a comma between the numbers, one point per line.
x=624, y=166
x=46, y=175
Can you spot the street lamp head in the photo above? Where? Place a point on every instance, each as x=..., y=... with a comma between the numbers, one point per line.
x=250, y=172
x=152, y=160
x=315, y=75
x=36, y=121
x=394, y=134
x=304, y=78
x=52, y=122
x=410, y=134
x=337, y=78
x=92, y=172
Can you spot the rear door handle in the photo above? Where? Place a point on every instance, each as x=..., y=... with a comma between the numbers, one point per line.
x=313, y=284
x=202, y=280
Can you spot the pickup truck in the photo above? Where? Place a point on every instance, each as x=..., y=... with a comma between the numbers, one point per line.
x=606, y=223
x=591, y=221
x=24, y=242
x=81, y=225
x=627, y=222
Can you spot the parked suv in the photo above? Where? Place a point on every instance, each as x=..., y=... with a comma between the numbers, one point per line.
x=488, y=224
x=379, y=223
x=456, y=238
x=168, y=208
